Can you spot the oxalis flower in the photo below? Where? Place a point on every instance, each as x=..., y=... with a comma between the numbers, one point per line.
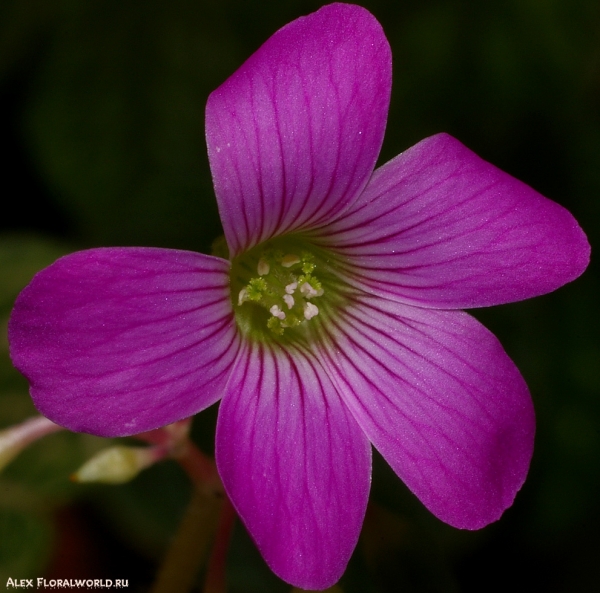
x=335, y=324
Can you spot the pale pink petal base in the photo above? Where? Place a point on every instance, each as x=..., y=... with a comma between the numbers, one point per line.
x=294, y=462
x=123, y=340
x=439, y=398
x=440, y=227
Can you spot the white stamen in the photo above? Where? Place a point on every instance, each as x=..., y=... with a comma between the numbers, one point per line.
x=290, y=288
x=310, y=310
x=277, y=312
x=289, y=260
x=308, y=291
x=263, y=267
x=243, y=296
x=289, y=300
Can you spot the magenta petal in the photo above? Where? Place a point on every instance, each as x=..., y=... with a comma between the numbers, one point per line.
x=294, y=134
x=439, y=398
x=295, y=464
x=438, y=226
x=119, y=341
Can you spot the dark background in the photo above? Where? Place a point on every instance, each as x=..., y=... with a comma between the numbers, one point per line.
x=101, y=127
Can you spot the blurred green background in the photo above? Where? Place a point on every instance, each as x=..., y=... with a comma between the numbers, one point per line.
x=101, y=124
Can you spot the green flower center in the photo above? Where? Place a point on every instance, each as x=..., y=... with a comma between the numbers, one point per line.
x=282, y=288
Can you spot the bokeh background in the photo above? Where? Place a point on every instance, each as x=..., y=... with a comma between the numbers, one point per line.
x=102, y=135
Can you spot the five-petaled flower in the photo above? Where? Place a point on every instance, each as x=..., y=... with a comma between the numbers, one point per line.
x=336, y=322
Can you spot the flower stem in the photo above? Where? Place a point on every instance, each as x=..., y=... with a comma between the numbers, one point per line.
x=215, y=575
x=201, y=470
x=15, y=438
x=190, y=546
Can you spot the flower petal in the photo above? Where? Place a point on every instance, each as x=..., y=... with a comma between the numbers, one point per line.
x=294, y=134
x=123, y=340
x=438, y=226
x=295, y=464
x=440, y=399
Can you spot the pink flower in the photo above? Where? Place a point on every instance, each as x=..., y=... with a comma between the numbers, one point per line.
x=334, y=325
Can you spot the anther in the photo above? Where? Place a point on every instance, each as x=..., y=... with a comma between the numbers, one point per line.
x=288, y=300
x=263, y=267
x=310, y=311
x=243, y=296
x=308, y=291
x=277, y=312
x=289, y=260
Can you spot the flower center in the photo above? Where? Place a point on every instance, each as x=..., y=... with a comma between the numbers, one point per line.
x=285, y=285
x=279, y=288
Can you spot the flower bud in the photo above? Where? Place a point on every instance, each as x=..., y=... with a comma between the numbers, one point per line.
x=117, y=465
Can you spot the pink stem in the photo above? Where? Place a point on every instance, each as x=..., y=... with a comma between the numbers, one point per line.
x=201, y=470
x=216, y=581
x=14, y=439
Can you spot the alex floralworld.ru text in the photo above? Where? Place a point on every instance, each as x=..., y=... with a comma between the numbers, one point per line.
x=42, y=583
